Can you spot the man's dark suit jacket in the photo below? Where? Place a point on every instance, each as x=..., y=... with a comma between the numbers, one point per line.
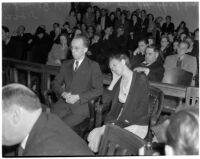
x=87, y=82
x=169, y=28
x=135, y=110
x=51, y=137
x=156, y=72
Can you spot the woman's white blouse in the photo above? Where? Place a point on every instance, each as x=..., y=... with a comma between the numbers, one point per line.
x=124, y=89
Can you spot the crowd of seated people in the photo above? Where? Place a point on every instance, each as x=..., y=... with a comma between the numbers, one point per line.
x=119, y=30
x=110, y=39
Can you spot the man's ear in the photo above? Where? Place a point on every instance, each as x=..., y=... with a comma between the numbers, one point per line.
x=157, y=54
x=85, y=50
x=16, y=115
x=123, y=62
x=169, y=150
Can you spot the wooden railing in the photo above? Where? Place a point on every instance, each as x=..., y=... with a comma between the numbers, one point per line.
x=46, y=71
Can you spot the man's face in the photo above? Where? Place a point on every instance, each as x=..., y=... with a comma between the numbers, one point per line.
x=11, y=132
x=175, y=45
x=20, y=30
x=40, y=36
x=150, y=56
x=182, y=49
x=168, y=19
x=78, y=49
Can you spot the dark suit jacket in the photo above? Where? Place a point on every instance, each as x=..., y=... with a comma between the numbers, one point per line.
x=156, y=72
x=136, y=107
x=51, y=137
x=87, y=82
x=169, y=28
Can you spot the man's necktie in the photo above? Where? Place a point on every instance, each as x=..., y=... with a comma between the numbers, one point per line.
x=76, y=66
x=20, y=151
x=178, y=63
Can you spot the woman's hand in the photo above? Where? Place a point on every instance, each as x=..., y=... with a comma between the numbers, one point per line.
x=57, y=61
x=115, y=78
x=94, y=138
x=137, y=51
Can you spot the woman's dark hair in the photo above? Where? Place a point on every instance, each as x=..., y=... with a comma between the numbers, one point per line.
x=119, y=57
x=66, y=23
x=65, y=35
x=151, y=16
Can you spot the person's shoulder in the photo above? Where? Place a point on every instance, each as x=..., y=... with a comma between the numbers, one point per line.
x=140, y=75
x=171, y=57
x=189, y=57
x=92, y=63
x=67, y=62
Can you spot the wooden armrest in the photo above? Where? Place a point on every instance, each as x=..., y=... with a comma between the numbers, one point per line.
x=92, y=108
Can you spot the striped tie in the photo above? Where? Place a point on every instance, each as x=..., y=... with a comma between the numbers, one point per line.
x=76, y=66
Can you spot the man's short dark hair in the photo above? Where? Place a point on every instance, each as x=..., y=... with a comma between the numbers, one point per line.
x=86, y=41
x=19, y=95
x=155, y=49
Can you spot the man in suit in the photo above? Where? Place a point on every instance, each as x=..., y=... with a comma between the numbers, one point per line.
x=153, y=69
x=181, y=60
x=37, y=133
x=82, y=79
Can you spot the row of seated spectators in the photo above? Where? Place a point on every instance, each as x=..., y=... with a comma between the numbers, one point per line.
x=109, y=32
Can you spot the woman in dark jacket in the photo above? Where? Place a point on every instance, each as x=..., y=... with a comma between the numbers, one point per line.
x=130, y=97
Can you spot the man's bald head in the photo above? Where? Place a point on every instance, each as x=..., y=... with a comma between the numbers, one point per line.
x=20, y=95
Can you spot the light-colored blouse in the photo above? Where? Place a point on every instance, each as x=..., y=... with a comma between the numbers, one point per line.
x=124, y=89
x=57, y=54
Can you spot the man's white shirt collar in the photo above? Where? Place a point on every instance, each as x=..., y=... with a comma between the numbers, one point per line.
x=79, y=62
x=23, y=144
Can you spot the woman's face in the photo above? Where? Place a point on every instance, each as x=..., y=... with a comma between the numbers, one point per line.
x=182, y=37
x=142, y=46
x=63, y=39
x=116, y=66
x=98, y=28
x=112, y=16
x=150, y=41
x=164, y=42
x=150, y=17
x=134, y=17
x=79, y=16
x=83, y=27
x=97, y=13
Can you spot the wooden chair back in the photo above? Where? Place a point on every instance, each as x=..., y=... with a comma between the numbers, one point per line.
x=177, y=76
x=192, y=96
x=117, y=141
